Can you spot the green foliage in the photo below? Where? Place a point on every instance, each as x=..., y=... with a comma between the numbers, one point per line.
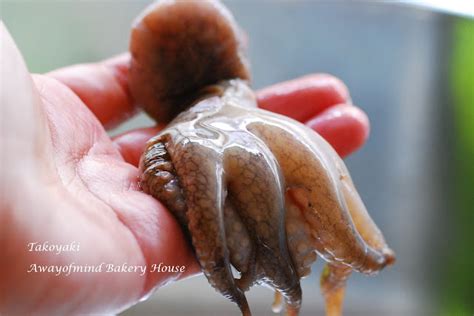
x=458, y=287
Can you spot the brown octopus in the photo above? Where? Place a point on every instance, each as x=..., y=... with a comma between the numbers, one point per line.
x=255, y=191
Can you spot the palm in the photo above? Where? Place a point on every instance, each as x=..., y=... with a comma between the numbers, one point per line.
x=91, y=197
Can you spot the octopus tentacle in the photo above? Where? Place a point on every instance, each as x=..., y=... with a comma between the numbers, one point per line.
x=333, y=285
x=362, y=220
x=205, y=196
x=241, y=246
x=310, y=171
x=334, y=276
x=159, y=177
x=256, y=188
x=299, y=238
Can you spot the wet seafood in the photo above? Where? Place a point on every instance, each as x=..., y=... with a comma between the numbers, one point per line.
x=260, y=195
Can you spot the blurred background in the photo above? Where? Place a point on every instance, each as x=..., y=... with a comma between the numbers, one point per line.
x=411, y=68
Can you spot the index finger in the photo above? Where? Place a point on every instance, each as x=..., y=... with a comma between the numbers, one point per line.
x=103, y=88
x=305, y=97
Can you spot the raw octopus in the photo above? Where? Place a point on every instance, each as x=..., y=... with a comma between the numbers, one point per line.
x=258, y=194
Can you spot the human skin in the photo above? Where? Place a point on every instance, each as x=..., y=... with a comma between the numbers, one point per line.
x=63, y=179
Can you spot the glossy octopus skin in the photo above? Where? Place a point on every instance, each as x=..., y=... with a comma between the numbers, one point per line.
x=254, y=190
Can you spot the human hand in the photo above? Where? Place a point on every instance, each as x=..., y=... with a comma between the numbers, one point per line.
x=63, y=180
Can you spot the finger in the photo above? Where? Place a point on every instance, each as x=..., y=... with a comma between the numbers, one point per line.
x=159, y=236
x=102, y=87
x=131, y=144
x=24, y=135
x=344, y=126
x=305, y=97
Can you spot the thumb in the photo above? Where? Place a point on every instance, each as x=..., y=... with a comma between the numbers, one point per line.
x=25, y=148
